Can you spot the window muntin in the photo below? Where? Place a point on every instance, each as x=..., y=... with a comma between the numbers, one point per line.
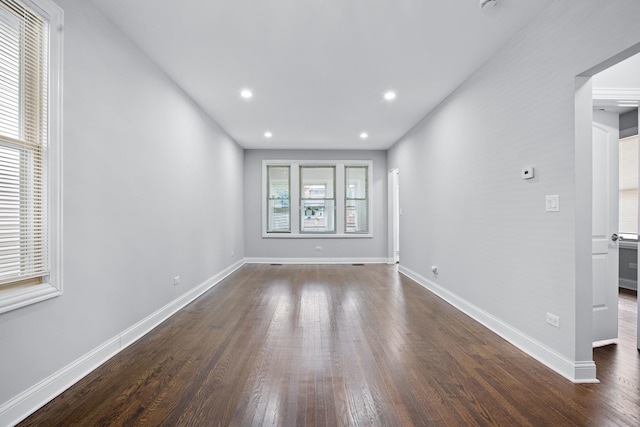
x=278, y=199
x=317, y=199
x=356, y=199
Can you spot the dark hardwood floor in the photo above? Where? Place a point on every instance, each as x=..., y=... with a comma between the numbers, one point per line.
x=340, y=345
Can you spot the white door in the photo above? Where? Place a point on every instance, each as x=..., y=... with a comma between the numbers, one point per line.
x=396, y=216
x=605, y=226
x=393, y=190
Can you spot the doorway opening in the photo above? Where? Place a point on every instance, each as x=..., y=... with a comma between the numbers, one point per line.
x=616, y=95
x=592, y=264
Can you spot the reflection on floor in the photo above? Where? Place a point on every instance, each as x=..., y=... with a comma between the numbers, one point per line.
x=618, y=364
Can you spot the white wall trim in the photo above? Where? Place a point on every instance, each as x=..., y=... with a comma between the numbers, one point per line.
x=617, y=94
x=316, y=260
x=30, y=400
x=628, y=244
x=577, y=372
x=628, y=284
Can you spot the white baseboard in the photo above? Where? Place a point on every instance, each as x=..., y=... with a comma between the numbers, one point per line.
x=628, y=284
x=577, y=372
x=32, y=399
x=316, y=260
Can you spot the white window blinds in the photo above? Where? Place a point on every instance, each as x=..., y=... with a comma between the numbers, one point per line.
x=23, y=144
x=628, y=220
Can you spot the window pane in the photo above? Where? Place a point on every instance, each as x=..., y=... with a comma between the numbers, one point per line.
x=357, y=216
x=628, y=219
x=278, y=182
x=629, y=211
x=317, y=199
x=317, y=182
x=10, y=218
x=356, y=178
x=278, y=216
x=278, y=199
x=318, y=216
x=10, y=74
x=356, y=199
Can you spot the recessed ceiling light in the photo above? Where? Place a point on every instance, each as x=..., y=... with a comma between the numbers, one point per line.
x=246, y=93
x=268, y=134
x=389, y=96
x=364, y=135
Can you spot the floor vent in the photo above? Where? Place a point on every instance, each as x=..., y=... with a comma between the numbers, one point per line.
x=277, y=265
x=358, y=265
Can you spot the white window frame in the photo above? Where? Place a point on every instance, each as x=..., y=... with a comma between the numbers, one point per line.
x=51, y=285
x=294, y=192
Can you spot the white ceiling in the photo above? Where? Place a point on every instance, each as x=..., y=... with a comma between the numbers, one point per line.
x=318, y=69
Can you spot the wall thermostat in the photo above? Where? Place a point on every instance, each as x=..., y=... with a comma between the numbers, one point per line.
x=527, y=173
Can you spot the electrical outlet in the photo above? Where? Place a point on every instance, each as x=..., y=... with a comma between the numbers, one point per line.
x=434, y=269
x=176, y=281
x=553, y=320
x=233, y=253
x=318, y=248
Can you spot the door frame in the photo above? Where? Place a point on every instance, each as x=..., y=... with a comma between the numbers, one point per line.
x=585, y=368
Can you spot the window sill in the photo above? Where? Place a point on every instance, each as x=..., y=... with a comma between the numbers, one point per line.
x=317, y=236
x=16, y=298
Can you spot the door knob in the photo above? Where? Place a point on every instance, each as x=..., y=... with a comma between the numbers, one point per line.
x=614, y=237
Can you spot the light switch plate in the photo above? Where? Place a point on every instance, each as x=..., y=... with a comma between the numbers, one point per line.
x=553, y=203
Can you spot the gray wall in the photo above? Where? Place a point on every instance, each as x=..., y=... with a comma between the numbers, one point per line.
x=258, y=247
x=152, y=189
x=471, y=214
x=628, y=272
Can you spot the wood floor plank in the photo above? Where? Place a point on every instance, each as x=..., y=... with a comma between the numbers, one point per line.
x=340, y=345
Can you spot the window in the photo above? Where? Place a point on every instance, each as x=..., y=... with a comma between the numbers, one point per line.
x=628, y=214
x=317, y=199
x=356, y=199
x=332, y=198
x=29, y=152
x=279, y=199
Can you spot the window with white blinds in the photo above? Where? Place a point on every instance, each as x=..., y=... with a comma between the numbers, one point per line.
x=25, y=143
x=628, y=181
